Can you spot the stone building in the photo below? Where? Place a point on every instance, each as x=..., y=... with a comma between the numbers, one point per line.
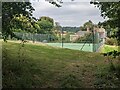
x=101, y=34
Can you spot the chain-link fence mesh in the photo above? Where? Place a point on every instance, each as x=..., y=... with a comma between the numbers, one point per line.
x=85, y=41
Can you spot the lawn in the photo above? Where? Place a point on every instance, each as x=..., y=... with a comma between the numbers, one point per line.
x=109, y=48
x=43, y=66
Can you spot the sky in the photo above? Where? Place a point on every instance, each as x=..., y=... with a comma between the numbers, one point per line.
x=70, y=14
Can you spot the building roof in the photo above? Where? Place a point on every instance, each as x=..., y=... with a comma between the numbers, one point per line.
x=81, y=33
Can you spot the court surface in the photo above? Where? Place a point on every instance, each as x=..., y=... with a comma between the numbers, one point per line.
x=74, y=46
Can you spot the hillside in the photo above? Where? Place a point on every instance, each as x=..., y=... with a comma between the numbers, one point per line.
x=42, y=66
x=71, y=29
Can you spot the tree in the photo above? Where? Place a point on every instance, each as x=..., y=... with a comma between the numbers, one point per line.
x=47, y=19
x=111, y=31
x=71, y=29
x=23, y=24
x=57, y=30
x=89, y=25
x=11, y=9
x=46, y=24
x=82, y=28
x=56, y=2
x=86, y=25
x=57, y=26
x=111, y=10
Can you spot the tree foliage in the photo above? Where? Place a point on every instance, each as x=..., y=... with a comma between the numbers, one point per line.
x=46, y=24
x=23, y=23
x=47, y=19
x=82, y=28
x=111, y=10
x=89, y=24
x=71, y=29
x=11, y=9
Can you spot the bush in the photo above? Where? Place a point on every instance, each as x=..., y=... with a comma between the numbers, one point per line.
x=86, y=38
x=111, y=41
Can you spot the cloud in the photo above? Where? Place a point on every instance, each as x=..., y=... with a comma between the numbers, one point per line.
x=70, y=14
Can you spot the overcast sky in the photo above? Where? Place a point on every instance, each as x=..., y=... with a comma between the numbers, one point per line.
x=70, y=14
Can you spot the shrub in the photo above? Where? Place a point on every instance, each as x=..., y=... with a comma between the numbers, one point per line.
x=111, y=41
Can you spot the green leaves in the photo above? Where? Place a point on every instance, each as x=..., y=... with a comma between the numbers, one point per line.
x=23, y=23
x=11, y=9
x=112, y=53
x=86, y=25
x=45, y=24
x=112, y=11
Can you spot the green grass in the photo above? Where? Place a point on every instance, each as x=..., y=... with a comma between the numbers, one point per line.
x=109, y=48
x=42, y=66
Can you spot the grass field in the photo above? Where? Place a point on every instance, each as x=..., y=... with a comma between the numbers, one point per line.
x=109, y=48
x=42, y=66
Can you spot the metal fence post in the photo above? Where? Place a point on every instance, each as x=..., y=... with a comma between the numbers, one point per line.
x=93, y=41
x=62, y=36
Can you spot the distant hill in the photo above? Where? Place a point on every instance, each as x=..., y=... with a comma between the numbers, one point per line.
x=71, y=29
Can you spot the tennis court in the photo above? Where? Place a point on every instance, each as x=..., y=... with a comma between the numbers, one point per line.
x=74, y=46
x=83, y=45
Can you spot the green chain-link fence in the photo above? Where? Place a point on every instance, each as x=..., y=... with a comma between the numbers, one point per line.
x=86, y=42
